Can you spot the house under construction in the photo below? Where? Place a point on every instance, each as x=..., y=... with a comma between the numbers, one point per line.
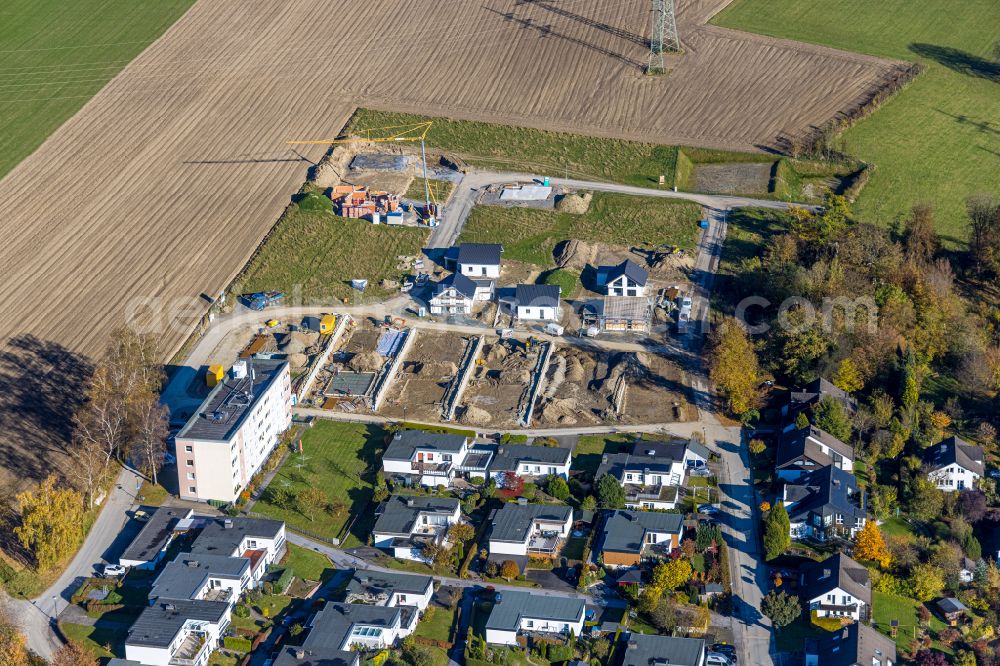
x=618, y=314
x=360, y=202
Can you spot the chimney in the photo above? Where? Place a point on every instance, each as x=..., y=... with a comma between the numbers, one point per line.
x=604, y=459
x=826, y=574
x=300, y=653
x=522, y=501
x=192, y=563
x=633, y=645
x=227, y=524
x=410, y=502
x=398, y=436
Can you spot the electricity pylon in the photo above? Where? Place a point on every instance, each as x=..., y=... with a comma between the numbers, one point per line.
x=664, y=36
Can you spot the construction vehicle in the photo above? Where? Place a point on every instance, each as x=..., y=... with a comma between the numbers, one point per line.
x=327, y=324
x=271, y=323
x=263, y=299
x=392, y=134
x=394, y=322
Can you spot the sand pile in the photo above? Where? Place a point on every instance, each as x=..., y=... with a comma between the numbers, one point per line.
x=298, y=360
x=563, y=412
x=573, y=254
x=497, y=353
x=574, y=203
x=575, y=372
x=556, y=376
x=434, y=369
x=368, y=361
x=476, y=416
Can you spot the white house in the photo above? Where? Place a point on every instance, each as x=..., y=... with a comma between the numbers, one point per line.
x=954, y=464
x=457, y=293
x=522, y=529
x=203, y=577
x=150, y=545
x=519, y=612
x=531, y=462
x=234, y=431
x=424, y=458
x=260, y=540
x=479, y=259
x=359, y=626
x=653, y=472
x=537, y=302
x=824, y=503
x=390, y=589
x=626, y=279
x=177, y=632
x=802, y=451
x=406, y=523
x=836, y=587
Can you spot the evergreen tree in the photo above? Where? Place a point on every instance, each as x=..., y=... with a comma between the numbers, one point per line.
x=830, y=415
x=777, y=532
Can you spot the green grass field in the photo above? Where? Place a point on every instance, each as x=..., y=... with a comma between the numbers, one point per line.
x=436, y=623
x=320, y=253
x=339, y=459
x=308, y=564
x=94, y=640
x=54, y=56
x=530, y=235
x=748, y=229
x=939, y=139
x=888, y=607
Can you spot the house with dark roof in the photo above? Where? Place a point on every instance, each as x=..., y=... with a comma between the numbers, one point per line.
x=530, y=462
x=518, y=612
x=212, y=577
x=824, y=503
x=424, y=458
x=626, y=279
x=405, y=524
x=260, y=540
x=150, y=545
x=836, y=587
x=300, y=655
x=952, y=610
x=804, y=399
x=457, y=293
x=854, y=645
x=653, y=650
x=653, y=472
x=177, y=632
x=347, y=627
x=802, y=451
x=627, y=538
x=537, y=302
x=385, y=588
x=478, y=259
x=519, y=530
x=954, y=464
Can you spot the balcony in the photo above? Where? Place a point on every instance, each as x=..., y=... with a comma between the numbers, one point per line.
x=431, y=468
x=544, y=543
x=218, y=594
x=191, y=650
x=635, y=493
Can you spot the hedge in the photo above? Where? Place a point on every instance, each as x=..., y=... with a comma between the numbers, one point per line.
x=284, y=580
x=236, y=643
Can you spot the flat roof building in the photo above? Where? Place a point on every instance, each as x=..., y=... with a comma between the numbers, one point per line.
x=234, y=431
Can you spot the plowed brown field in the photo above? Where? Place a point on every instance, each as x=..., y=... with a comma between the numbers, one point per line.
x=160, y=188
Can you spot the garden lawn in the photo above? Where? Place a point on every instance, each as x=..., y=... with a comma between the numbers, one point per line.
x=530, y=234
x=792, y=637
x=747, y=232
x=888, y=607
x=589, y=449
x=56, y=55
x=308, y=564
x=436, y=623
x=319, y=253
x=897, y=527
x=341, y=460
x=937, y=140
x=93, y=639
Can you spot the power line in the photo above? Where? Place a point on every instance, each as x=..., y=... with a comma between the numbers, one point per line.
x=664, y=35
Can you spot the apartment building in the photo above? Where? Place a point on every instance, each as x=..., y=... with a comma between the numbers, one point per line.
x=234, y=431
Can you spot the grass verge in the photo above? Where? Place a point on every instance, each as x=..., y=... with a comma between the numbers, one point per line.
x=935, y=140
x=530, y=235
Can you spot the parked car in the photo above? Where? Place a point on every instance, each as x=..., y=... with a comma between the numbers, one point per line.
x=141, y=516
x=701, y=471
x=727, y=650
x=696, y=464
x=717, y=659
x=114, y=570
x=708, y=509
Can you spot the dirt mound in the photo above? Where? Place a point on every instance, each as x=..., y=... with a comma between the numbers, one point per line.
x=476, y=416
x=298, y=360
x=432, y=369
x=573, y=254
x=574, y=370
x=497, y=353
x=368, y=361
x=563, y=412
x=576, y=204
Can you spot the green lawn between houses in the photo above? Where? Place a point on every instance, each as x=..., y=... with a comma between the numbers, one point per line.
x=887, y=607
x=340, y=459
x=937, y=140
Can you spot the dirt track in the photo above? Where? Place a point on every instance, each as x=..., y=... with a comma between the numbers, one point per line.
x=164, y=183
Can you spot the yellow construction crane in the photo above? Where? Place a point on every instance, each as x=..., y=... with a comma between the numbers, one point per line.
x=390, y=134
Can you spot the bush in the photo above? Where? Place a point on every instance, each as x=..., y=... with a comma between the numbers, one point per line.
x=559, y=652
x=241, y=610
x=284, y=580
x=236, y=643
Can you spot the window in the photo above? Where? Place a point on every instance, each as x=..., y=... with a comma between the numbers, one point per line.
x=192, y=489
x=190, y=463
x=188, y=449
x=530, y=623
x=190, y=476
